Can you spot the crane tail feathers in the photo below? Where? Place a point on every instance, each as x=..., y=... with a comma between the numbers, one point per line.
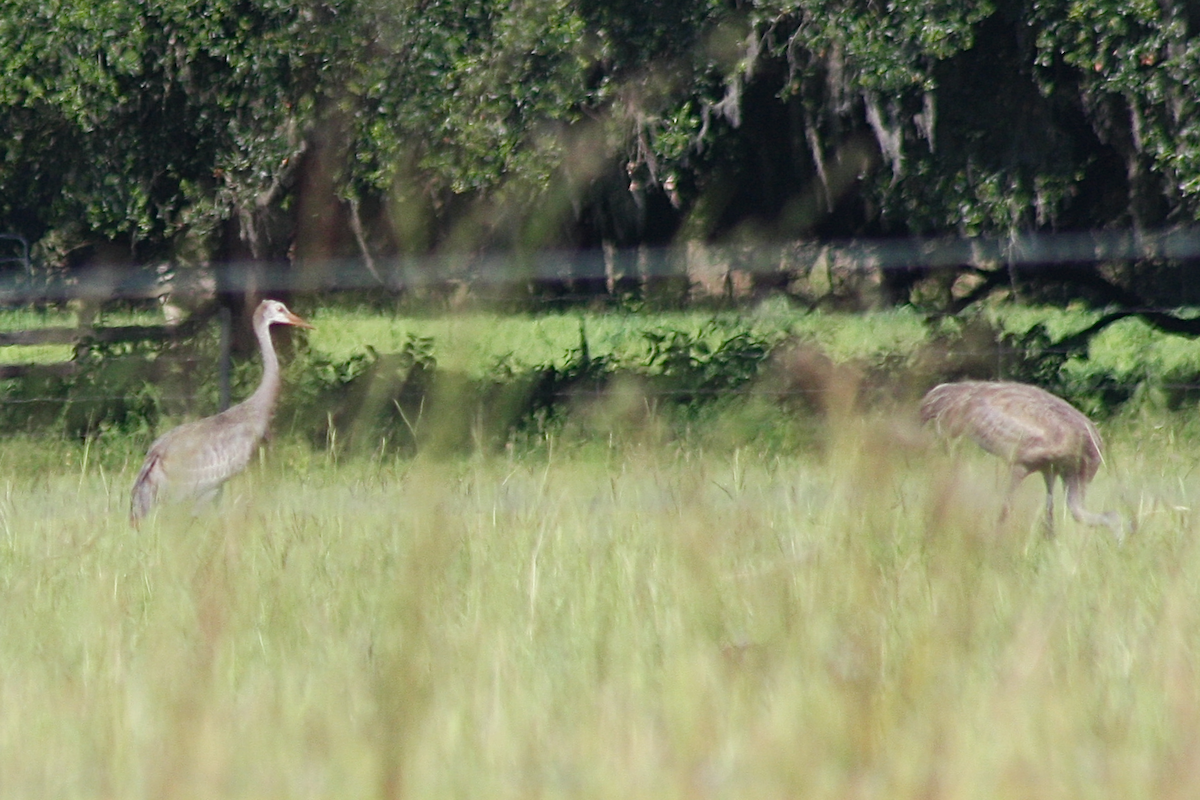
x=1097, y=444
x=145, y=489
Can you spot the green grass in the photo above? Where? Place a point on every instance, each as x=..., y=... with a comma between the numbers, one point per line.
x=1127, y=352
x=590, y=617
x=474, y=342
x=19, y=319
x=751, y=605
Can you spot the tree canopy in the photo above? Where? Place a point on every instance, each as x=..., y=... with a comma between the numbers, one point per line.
x=213, y=128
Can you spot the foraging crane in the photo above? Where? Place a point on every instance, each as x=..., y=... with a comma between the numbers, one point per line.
x=1033, y=431
x=195, y=459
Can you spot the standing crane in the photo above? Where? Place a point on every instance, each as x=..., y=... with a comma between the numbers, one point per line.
x=196, y=458
x=1033, y=431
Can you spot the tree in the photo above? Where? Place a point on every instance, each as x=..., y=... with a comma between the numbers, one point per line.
x=276, y=130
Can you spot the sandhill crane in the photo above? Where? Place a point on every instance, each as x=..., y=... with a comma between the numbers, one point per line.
x=196, y=458
x=1033, y=431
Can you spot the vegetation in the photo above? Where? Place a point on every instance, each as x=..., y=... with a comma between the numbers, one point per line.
x=372, y=128
x=483, y=379
x=679, y=553
x=611, y=618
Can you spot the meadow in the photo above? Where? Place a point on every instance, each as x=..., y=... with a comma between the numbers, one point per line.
x=642, y=610
x=1129, y=350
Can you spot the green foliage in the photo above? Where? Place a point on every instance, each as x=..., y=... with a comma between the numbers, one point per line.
x=448, y=385
x=479, y=123
x=461, y=93
x=139, y=123
x=698, y=367
x=361, y=401
x=1039, y=358
x=115, y=389
x=1136, y=58
x=405, y=401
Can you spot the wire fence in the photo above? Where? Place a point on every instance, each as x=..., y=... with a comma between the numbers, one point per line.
x=29, y=283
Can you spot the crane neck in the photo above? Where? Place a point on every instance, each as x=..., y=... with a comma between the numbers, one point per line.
x=268, y=387
x=1109, y=519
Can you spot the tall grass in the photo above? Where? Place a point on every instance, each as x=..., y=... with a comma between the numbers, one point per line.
x=602, y=617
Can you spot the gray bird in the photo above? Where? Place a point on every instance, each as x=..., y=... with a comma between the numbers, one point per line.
x=1033, y=431
x=196, y=458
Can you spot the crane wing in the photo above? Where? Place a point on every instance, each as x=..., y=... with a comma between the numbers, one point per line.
x=1002, y=425
x=196, y=458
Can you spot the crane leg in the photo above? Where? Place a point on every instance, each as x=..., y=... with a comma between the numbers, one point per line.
x=1019, y=473
x=1049, y=476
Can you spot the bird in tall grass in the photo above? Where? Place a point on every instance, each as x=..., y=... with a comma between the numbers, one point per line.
x=1033, y=431
x=195, y=459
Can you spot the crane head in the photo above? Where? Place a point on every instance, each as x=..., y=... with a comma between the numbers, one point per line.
x=274, y=312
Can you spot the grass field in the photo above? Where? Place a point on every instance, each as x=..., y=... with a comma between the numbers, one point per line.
x=1129, y=350
x=749, y=605
x=603, y=618
x=474, y=342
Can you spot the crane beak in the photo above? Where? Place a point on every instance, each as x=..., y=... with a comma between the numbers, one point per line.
x=299, y=322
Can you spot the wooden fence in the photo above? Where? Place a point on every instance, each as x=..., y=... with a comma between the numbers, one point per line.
x=83, y=337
